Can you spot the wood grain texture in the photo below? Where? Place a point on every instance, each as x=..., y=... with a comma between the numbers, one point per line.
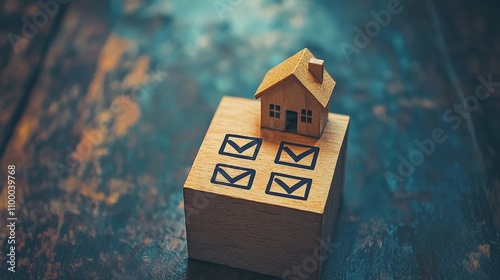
x=248, y=227
x=23, y=46
x=64, y=135
x=236, y=116
x=118, y=211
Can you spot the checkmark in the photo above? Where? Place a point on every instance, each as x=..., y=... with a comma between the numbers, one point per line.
x=288, y=189
x=288, y=186
x=239, y=146
x=297, y=155
x=230, y=179
x=233, y=176
x=243, y=148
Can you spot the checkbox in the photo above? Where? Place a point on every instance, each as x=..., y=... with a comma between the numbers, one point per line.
x=233, y=176
x=288, y=186
x=297, y=155
x=239, y=146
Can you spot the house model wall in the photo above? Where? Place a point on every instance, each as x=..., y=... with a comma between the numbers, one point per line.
x=295, y=95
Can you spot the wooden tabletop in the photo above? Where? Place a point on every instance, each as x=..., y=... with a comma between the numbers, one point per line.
x=104, y=104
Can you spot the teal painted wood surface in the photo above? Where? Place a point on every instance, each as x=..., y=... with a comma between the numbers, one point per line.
x=104, y=131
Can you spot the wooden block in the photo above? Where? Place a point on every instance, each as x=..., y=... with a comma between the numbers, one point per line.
x=264, y=200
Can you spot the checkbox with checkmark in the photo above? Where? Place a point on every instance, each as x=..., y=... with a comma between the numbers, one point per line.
x=239, y=146
x=297, y=155
x=233, y=176
x=288, y=186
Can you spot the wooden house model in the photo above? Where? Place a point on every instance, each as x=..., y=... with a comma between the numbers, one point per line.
x=295, y=95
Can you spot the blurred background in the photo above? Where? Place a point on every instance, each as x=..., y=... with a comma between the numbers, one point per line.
x=104, y=104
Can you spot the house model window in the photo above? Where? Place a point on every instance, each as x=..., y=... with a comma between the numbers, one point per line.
x=275, y=111
x=306, y=116
x=301, y=86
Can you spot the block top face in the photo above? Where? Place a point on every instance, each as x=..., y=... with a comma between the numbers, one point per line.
x=239, y=159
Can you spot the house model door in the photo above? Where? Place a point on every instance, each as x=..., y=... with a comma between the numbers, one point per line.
x=291, y=121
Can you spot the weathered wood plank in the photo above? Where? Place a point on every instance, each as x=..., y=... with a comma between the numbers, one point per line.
x=26, y=30
x=127, y=92
x=99, y=184
x=435, y=222
x=475, y=54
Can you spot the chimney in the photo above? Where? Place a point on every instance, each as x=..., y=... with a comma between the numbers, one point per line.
x=317, y=67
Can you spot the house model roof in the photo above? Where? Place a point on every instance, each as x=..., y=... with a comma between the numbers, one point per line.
x=296, y=67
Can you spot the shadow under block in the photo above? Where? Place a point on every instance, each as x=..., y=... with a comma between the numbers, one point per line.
x=264, y=200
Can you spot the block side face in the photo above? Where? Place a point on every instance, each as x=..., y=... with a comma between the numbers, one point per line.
x=249, y=235
x=332, y=206
x=236, y=142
